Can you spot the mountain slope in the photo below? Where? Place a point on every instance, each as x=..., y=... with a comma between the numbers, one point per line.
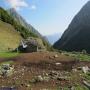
x=22, y=22
x=77, y=36
x=9, y=37
x=24, y=32
x=12, y=12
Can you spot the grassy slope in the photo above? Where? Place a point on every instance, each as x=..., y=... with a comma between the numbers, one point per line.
x=9, y=38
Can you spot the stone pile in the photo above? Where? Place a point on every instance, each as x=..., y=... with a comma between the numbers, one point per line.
x=6, y=70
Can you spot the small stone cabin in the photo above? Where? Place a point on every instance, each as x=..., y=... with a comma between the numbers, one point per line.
x=32, y=45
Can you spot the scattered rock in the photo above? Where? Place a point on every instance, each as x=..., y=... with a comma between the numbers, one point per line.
x=44, y=89
x=58, y=64
x=39, y=78
x=56, y=56
x=6, y=70
x=79, y=68
x=6, y=66
x=74, y=70
x=61, y=78
x=72, y=88
x=33, y=81
x=50, y=57
x=46, y=78
x=22, y=84
x=85, y=69
x=86, y=84
x=28, y=85
x=53, y=73
x=36, y=79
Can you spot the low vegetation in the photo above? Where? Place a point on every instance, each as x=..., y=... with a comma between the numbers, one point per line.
x=81, y=56
x=8, y=54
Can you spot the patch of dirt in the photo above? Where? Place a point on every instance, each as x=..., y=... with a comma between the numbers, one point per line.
x=30, y=65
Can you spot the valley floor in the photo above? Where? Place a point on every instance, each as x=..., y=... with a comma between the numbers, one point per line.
x=46, y=71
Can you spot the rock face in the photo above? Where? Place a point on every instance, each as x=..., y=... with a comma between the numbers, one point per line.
x=77, y=35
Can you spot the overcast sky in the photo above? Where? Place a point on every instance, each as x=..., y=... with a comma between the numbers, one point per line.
x=47, y=16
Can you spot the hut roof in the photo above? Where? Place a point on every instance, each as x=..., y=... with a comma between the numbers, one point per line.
x=34, y=41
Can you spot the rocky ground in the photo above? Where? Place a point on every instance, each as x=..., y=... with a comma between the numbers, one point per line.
x=44, y=71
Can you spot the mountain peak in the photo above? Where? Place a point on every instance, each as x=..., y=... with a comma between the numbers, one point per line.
x=86, y=7
x=88, y=2
x=77, y=35
x=12, y=9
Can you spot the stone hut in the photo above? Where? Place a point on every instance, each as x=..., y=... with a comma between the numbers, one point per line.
x=32, y=45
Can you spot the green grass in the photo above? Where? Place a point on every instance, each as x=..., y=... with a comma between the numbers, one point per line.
x=8, y=54
x=83, y=57
x=86, y=76
x=9, y=37
x=79, y=87
x=65, y=88
x=6, y=62
x=78, y=56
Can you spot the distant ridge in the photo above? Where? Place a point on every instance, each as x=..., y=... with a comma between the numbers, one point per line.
x=53, y=38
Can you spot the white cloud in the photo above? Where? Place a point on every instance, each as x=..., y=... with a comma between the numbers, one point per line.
x=33, y=7
x=18, y=4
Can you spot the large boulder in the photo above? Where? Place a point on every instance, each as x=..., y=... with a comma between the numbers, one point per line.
x=32, y=45
x=6, y=70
